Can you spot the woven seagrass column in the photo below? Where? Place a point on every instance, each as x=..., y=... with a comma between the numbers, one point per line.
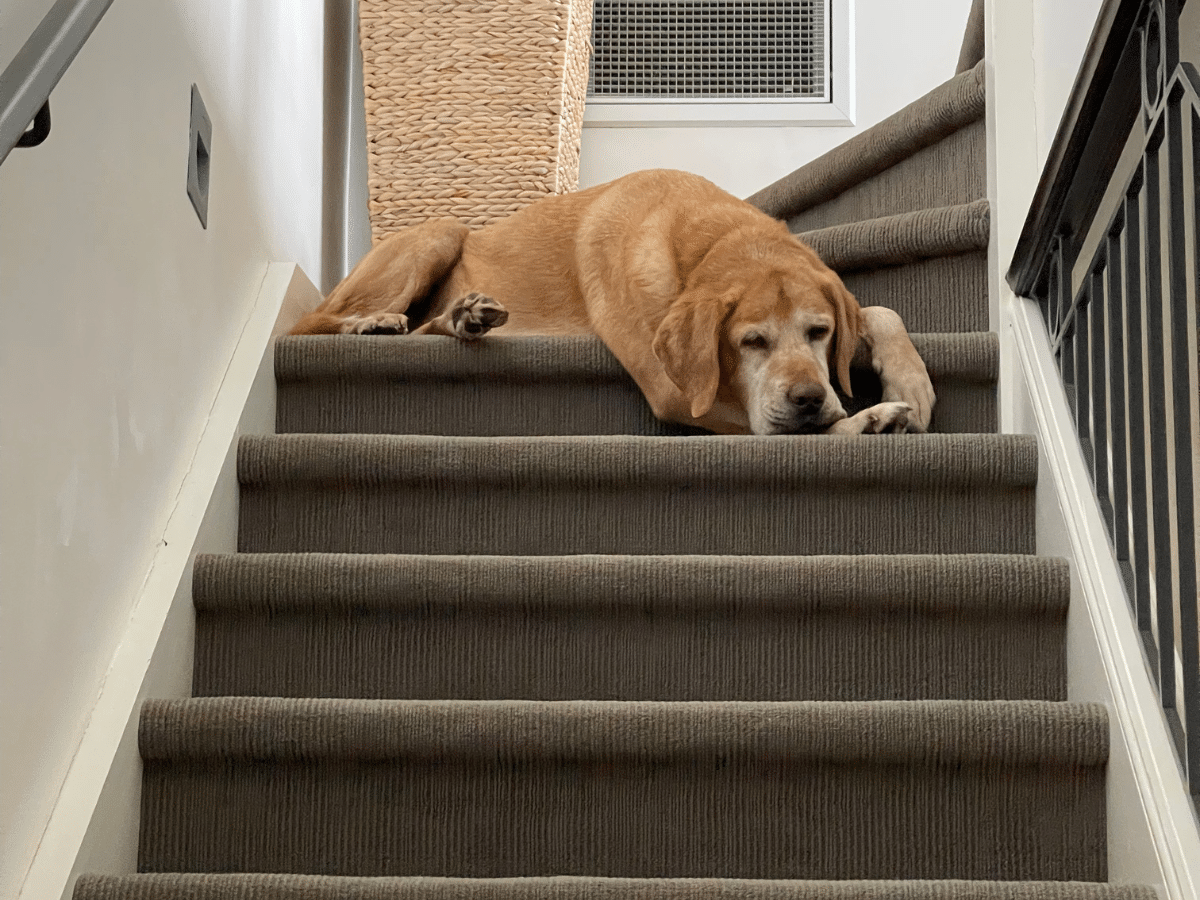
x=474, y=107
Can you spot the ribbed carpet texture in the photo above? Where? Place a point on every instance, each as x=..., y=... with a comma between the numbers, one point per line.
x=494, y=633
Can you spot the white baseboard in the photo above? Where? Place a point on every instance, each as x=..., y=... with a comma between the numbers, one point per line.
x=1153, y=832
x=94, y=824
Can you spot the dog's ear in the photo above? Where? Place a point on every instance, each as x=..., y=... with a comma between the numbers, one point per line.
x=687, y=344
x=848, y=332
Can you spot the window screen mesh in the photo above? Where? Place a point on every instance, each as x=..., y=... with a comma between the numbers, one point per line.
x=727, y=49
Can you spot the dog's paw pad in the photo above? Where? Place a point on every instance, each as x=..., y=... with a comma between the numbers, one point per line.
x=377, y=323
x=475, y=315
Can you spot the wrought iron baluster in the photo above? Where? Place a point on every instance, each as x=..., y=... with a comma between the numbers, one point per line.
x=1117, y=366
x=1135, y=413
x=1097, y=314
x=1083, y=373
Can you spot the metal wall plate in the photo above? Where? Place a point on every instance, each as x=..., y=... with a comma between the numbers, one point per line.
x=199, y=157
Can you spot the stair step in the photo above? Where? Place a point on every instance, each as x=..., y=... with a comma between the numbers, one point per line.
x=795, y=495
x=889, y=262
x=324, y=887
x=996, y=790
x=631, y=627
x=950, y=172
x=545, y=385
x=905, y=238
x=931, y=153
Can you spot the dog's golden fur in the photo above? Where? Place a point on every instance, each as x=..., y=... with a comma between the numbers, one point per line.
x=723, y=318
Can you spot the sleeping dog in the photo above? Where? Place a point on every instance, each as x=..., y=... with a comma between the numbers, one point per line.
x=724, y=319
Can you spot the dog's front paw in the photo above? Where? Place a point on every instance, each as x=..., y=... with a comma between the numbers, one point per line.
x=882, y=418
x=915, y=391
x=376, y=323
x=475, y=315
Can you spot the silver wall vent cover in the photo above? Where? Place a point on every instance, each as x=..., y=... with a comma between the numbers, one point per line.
x=710, y=50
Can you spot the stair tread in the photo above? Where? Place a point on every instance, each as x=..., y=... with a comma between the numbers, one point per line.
x=187, y=886
x=947, y=108
x=928, y=460
x=921, y=732
x=1008, y=584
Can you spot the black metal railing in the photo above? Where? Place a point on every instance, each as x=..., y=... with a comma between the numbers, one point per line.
x=26, y=83
x=1111, y=250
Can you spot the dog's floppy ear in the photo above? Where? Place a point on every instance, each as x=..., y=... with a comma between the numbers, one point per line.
x=687, y=344
x=848, y=332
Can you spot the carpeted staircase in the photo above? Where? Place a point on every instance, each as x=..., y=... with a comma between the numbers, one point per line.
x=497, y=634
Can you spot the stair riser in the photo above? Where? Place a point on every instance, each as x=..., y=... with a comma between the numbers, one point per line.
x=477, y=408
x=945, y=294
x=717, y=817
x=484, y=407
x=950, y=172
x=633, y=517
x=450, y=651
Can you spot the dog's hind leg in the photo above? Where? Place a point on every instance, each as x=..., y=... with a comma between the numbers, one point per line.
x=398, y=271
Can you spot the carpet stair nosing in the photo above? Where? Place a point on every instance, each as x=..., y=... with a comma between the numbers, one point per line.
x=256, y=886
x=925, y=733
x=278, y=583
x=900, y=461
x=903, y=238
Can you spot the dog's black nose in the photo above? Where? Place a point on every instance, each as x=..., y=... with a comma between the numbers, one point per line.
x=807, y=398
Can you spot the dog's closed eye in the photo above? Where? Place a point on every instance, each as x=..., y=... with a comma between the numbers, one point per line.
x=818, y=332
x=755, y=341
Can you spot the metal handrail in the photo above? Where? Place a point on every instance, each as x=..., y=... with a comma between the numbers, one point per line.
x=1117, y=274
x=26, y=84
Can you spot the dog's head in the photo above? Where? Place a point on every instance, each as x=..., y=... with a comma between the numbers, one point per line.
x=761, y=324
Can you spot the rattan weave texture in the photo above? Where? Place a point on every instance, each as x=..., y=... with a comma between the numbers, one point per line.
x=474, y=107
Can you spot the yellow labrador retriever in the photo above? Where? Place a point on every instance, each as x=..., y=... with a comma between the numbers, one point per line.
x=723, y=318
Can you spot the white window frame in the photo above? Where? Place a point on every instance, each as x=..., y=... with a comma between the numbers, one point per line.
x=608, y=112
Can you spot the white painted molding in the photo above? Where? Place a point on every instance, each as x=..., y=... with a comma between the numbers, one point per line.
x=1012, y=163
x=1136, y=718
x=94, y=824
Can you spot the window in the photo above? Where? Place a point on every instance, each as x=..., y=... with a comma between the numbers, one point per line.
x=675, y=62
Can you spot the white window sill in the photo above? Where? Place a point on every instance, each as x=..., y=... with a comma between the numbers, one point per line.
x=706, y=114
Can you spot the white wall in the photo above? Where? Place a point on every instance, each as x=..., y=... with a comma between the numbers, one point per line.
x=1061, y=32
x=18, y=18
x=121, y=318
x=901, y=52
